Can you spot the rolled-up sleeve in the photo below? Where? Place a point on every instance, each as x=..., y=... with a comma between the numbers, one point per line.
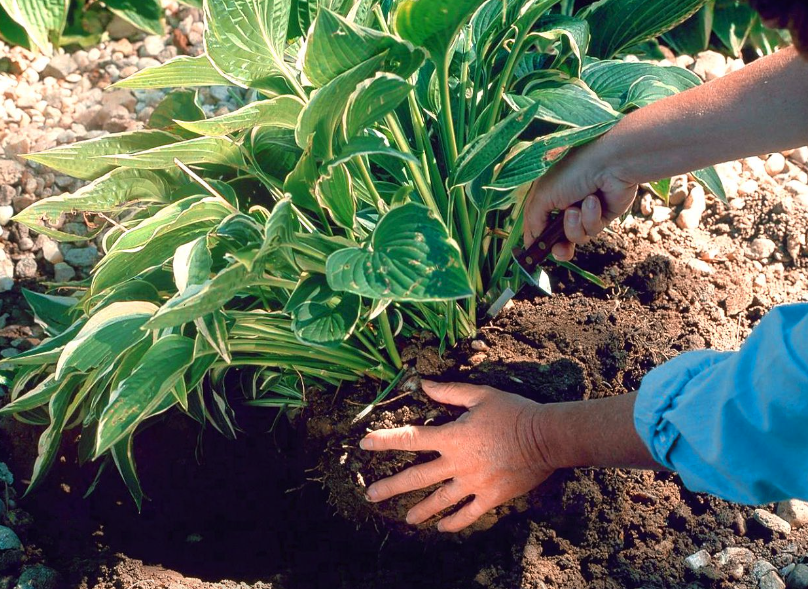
x=735, y=424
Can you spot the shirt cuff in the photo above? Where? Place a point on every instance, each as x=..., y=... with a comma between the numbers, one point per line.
x=659, y=393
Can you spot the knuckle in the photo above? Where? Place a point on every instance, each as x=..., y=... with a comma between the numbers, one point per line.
x=408, y=436
x=415, y=478
x=444, y=496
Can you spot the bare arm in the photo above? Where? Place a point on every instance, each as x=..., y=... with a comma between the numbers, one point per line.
x=762, y=108
x=611, y=439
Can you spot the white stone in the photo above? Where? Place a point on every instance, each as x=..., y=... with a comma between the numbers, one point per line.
x=760, y=281
x=796, y=187
x=700, y=266
x=51, y=251
x=6, y=213
x=6, y=272
x=689, y=219
x=735, y=555
x=698, y=560
x=737, y=204
x=710, y=65
x=800, y=156
x=793, y=511
x=152, y=46
x=775, y=164
x=755, y=165
x=661, y=214
x=748, y=188
x=761, y=248
x=772, y=522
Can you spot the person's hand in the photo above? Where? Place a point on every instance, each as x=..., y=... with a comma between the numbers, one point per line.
x=493, y=452
x=578, y=178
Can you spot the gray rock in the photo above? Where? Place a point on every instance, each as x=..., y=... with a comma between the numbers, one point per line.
x=761, y=248
x=798, y=578
x=26, y=244
x=63, y=272
x=761, y=568
x=8, y=539
x=771, y=580
x=735, y=555
x=59, y=67
x=10, y=172
x=38, y=577
x=795, y=512
x=768, y=520
x=7, y=194
x=26, y=267
x=698, y=560
x=152, y=46
x=82, y=257
x=786, y=570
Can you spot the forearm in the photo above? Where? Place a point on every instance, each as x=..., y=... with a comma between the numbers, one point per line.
x=762, y=108
x=596, y=433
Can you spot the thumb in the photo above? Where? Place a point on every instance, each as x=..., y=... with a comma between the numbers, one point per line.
x=454, y=393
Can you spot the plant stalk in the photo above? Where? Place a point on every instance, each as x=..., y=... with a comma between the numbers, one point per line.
x=389, y=340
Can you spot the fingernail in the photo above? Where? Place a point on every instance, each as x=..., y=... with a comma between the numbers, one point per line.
x=371, y=494
x=590, y=202
x=441, y=526
x=410, y=519
x=366, y=444
x=573, y=217
x=427, y=383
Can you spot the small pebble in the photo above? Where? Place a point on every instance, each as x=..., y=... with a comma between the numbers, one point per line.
x=748, y=188
x=775, y=164
x=735, y=555
x=6, y=212
x=479, y=345
x=794, y=512
x=689, y=219
x=761, y=248
x=761, y=568
x=698, y=560
x=771, y=522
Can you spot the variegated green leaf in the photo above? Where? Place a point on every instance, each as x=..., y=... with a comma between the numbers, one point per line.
x=281, y=111
x=410, y=257
x=106, y=334
x=145, y=390
x=180, y=72
x=43, y=20
x=203, y=150
x=336, y=45
x=85, y=159
x=246, y=39
x=327, y=324
x=372, y=100
x=108, y=194
x=334, y=192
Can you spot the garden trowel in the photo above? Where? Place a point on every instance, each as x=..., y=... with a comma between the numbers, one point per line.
x=528, y=262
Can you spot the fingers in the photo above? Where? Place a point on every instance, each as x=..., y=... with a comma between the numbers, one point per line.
x=592, y=216
x=454, y=393
x=466, y=516
x=411, y=479
x=411, y=438
x=443, y=498
x=536, y=215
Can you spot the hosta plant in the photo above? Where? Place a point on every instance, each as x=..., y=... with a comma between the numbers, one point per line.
x=371, y=186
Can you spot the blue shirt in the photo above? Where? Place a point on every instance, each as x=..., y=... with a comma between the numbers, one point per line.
x=735, y=424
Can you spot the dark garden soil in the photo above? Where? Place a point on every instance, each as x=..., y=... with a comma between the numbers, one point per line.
x=285, y=509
